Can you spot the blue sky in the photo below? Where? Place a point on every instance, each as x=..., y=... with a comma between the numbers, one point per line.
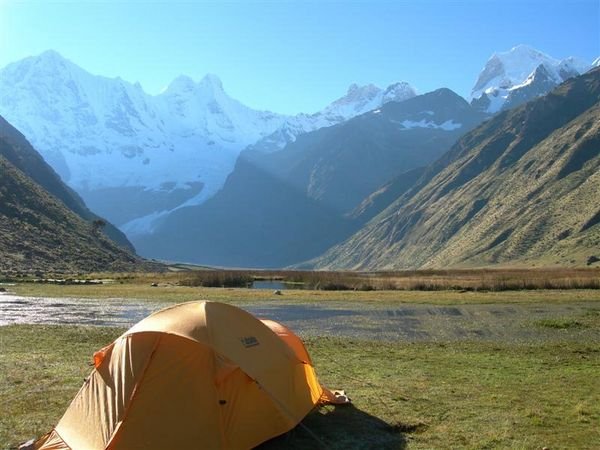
x=296, y=56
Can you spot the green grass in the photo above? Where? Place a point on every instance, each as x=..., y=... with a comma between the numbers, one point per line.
x=424, y=395
x=559, y=324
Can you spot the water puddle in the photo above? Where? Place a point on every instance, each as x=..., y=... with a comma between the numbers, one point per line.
x=406, y=322
x=73, y=311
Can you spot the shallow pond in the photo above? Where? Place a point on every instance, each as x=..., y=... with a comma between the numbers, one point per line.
x=276, y=285
x=408, y=322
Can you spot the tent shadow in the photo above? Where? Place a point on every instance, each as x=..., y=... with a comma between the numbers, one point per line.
x=341, y=427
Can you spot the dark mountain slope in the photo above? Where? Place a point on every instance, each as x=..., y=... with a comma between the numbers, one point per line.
x=19, y=152
x=386, y=195
x=521, y=188
x=39, y=233
x=255, y=221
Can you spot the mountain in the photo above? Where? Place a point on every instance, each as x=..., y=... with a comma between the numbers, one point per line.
x=134, y=156
x=512, y=78
x=341, y=165
x=358, y=100
x=126, y=152
x=19, y=152
x=38, y=231
x=522, y=188
x=287, y=206
x=256, y=220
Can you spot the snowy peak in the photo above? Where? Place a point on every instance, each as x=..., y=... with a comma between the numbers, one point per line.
x=358, y=100
x=51, y=59
x=507, y=69
x=185, y=85
x=507, y=72
x=106, y=133
x=212, y=82
x=48, y=65
x=358, y=94
x=596, y=62
x=361, y=99
x=574, y=65
x=398, y=92
x=180, y=85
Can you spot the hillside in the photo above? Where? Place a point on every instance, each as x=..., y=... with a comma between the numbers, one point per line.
x=284, y=207
x=19, y=152
x=522, y=188
x=45, y=232
x=38, y=233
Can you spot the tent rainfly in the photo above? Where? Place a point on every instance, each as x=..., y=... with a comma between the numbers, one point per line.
x=196, y=375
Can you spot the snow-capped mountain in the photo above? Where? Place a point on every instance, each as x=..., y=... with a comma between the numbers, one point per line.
x=126, y=152
x=285, y=206
x=358, y=100
x=132, y=155
x=521, y=74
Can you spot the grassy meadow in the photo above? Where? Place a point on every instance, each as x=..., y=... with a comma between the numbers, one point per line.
x=469, y=393
x=377, y=288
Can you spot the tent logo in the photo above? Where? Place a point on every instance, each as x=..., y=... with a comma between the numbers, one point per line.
x=249, y=341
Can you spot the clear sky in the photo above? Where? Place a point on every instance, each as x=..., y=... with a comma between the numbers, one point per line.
x=291, y=56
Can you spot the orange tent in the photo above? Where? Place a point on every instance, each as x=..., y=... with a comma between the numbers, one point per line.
x=196, y=375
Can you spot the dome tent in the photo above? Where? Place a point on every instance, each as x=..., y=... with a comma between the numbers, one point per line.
x=195, y=375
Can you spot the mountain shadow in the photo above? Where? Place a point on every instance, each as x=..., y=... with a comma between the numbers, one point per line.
x=256, y=221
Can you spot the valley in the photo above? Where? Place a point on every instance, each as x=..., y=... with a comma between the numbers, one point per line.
x=207, y=209
x=193, y=175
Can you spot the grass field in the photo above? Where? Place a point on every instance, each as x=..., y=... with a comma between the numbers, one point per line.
x=425, y=395
x=468, y=393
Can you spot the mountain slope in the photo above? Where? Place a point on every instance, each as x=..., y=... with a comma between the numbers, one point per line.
x=341, y=165
x=255, y=221
x=386, y=195
x=281, y=208
x=39, y=233
x=521, y=188
x=19, y=152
